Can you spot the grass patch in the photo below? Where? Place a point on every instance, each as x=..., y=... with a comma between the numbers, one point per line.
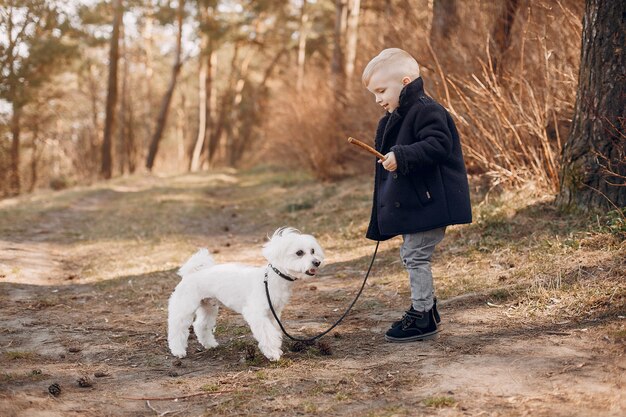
x=309, y=407
x=32, y=376
x=439, y=402
x=619, y=336
x=210, y=388
x=18, y=355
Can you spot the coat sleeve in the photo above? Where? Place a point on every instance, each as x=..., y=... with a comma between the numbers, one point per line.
x=433, y=141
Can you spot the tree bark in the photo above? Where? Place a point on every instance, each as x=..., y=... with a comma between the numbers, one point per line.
x=352, y=34
x=131, y=146
x=107, y=163
x=202, y=113
x=181, y=131
x=233, y=126
x=593, y=173
x=205, y=91
x=167, y=98
x=337, y=65
x=226, y=101
x=304, y=19
x=34, y=161
x=122, y=128
x=14, y=176
x=211, y=110
x=445, y=20
x=148, y=101
x=501, y=33
x=94, y=137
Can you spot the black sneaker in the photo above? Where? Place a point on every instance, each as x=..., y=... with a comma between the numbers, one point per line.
x=414, y=326
x=434, y=310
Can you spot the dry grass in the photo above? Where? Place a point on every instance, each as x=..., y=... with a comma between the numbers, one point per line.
x=521, y=270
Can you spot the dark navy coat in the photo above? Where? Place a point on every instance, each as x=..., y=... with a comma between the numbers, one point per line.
x=429, y=189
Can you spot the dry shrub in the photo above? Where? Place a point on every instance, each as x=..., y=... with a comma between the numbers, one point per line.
x=513, y=121
x=307, y=130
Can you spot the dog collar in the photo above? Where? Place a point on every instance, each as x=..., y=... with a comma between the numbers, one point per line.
x=280, y=274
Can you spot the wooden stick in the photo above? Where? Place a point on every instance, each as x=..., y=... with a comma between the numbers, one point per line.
x=366, y=147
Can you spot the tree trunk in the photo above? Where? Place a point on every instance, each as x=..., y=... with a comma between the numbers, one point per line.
x=304, y=18
x=14, y=176
x=131, y=146
x=226, y=101
x=233, y=125
x=94, y=137
x=337, y=65
x=148, y=101
x=202, y=113
x=445, y=20
x=106, y=167
x=167, y=98
x=211, y=110
x=205, y=93
x=34, y=161
x=181, y=132
x=352, y=37
x=501, y=33
x=122, y=122
x=593, y=173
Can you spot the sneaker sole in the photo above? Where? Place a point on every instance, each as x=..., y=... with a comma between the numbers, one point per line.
x=421, y=337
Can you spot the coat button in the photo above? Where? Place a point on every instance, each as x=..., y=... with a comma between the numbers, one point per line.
x=395, y=176
x=397, y=204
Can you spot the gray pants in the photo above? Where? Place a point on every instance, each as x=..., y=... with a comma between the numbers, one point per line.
x=416, y=251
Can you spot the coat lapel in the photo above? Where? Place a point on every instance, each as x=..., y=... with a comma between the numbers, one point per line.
x=380, y=130
x=391, y=123
x=408, y=96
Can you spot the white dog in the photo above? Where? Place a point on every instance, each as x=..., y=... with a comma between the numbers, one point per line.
x=290, y=254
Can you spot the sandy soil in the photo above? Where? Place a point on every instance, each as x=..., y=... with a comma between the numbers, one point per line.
x=58, y=326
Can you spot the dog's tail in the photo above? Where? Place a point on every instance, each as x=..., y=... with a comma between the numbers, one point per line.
x=199, y=260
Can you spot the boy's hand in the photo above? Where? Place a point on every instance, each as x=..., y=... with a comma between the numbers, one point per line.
x=389, y=163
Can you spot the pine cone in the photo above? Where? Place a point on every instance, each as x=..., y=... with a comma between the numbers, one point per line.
x=84, y=382
x=324, y=348
x=297, y=347
x=250, y=353
x=55, y=389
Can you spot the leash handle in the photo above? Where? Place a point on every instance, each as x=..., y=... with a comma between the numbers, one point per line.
x=312, y=339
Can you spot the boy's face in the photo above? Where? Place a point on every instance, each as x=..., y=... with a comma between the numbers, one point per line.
x=386, y=86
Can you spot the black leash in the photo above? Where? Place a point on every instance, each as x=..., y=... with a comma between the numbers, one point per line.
x=312, y=339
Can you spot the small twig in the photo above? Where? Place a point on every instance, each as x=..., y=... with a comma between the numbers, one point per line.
x=181, y=397
x=558, y=333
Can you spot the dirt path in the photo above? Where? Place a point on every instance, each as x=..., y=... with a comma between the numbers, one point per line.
x=60, y=324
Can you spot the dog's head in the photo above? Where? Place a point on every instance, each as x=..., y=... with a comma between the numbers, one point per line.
x=294, y=253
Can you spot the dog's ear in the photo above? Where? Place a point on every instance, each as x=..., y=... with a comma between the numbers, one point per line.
x=285, y=230
x=320, y=251
x=271, y=248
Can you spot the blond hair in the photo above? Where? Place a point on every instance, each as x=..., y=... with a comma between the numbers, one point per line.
x=401, y=61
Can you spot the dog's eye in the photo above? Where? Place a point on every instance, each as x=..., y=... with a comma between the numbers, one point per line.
x=312, y=251
x=300, y=253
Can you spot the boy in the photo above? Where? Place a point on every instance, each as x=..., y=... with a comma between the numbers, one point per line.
x=420, y=187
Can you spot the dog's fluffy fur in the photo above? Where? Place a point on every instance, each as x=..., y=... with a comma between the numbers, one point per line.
x=240, y=288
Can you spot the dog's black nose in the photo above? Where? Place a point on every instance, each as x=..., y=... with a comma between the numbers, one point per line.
x=316, y=262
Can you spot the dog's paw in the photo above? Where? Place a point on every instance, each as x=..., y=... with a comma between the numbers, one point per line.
x=179, y=353
x=209, y=344
x=272, y=354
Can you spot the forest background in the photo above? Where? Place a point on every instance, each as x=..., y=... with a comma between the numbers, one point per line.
x=97, y=89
